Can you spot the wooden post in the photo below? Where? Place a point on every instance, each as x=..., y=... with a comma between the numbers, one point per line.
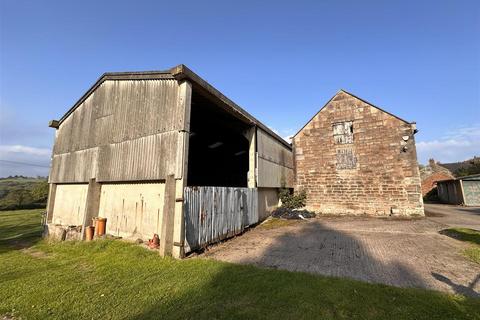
x=92, y=204
x=166, y=235
x=251, y=135
x=462, y=192
x=51, y=201
x=184, y=103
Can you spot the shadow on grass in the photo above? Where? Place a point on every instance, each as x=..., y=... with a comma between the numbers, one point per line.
x=463, y=234
x=244, y=292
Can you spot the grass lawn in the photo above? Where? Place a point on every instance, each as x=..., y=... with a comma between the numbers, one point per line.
x=468, y=235
x=112, y=279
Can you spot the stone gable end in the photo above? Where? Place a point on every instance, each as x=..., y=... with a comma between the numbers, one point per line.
x=354, y=158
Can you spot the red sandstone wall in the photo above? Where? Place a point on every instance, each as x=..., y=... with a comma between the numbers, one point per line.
x=430, y=182
x=372, y=175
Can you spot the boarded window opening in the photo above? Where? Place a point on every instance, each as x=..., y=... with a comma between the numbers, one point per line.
x=343, y=132
x=346, y=159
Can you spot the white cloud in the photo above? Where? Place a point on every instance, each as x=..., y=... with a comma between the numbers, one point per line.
x=8, y=149
x=24, y=160
x=288, y=138
x=458, y=145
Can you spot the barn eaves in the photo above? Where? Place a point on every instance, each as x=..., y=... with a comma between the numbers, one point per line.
x=180, y=72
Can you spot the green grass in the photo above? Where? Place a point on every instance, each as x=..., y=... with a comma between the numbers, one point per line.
x=20, y=228
x=463, y=234
x=468, y=235
x=273, y=223
x=112, y=279
x=473, y=254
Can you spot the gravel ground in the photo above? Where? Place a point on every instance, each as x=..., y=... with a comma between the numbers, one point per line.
x=405, y=253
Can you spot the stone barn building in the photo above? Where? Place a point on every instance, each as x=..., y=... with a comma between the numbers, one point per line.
x=355, y=158
x=163, y=152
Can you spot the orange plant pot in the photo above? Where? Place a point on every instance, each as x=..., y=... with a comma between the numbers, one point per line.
x=100, y=226
x=89, y=231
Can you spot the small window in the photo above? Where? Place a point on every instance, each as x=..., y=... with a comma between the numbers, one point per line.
x=343, y=132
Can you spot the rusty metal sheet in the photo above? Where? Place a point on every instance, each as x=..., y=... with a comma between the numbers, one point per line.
x=215, y=213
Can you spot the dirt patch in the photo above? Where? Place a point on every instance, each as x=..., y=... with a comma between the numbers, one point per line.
x=433, y=214
x=408, y=253
x=35, y=253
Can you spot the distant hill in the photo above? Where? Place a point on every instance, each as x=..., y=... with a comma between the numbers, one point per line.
x=463, y=168
x=20, y=192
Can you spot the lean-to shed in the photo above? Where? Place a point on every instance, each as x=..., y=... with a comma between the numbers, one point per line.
x=164, y=152
x=462, y=190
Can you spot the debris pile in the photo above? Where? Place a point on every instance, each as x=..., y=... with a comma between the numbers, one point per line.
x=286, y=213
x=154, y=243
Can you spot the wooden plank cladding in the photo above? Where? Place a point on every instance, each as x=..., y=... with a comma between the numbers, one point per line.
x=123, y=131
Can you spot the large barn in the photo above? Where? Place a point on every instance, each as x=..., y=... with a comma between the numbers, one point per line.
x=163, y=152
x=355, y=158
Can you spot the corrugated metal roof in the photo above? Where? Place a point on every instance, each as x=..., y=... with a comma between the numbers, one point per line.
x=179, y=72
x=470, y=177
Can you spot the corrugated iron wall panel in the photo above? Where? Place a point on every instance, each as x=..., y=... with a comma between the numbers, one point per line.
x=147, y=158
x=270, y=149
x=134, y=125
x=272, y=175
x=274, y=162
x=79, y=166
x=214, y=213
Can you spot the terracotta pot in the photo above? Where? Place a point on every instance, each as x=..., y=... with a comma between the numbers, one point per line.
x=100, y=226
x=89, y=230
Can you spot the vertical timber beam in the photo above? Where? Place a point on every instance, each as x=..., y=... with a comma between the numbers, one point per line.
x=462, y=192
x=184, y=104
x=251, y=135
x=93, y=204
x=51, y=201
x=166, y=235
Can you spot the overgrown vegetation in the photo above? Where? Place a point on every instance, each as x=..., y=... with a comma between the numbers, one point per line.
x=274, y=223
x=472, y=167
x=468, y=235
x=23, y=193
x=293, y=200
x=108, y=279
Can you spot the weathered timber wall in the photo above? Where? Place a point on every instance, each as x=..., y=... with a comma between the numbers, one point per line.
x=268, y=200
x=69, y=207
x=275, y=162
x=350, y=159
x=133, y=210
x=450, y=191
x=125, y=130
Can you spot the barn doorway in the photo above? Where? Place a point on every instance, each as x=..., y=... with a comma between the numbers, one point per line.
x=218, y=148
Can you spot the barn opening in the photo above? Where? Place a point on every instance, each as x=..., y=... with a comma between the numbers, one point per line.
x=218, y=148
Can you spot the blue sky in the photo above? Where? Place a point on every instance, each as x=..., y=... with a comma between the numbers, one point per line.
x=281, y=61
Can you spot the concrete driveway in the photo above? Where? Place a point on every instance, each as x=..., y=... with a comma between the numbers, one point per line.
x=406, y=253
x=454, y=216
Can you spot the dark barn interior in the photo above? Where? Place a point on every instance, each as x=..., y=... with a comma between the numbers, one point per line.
x=218, y=148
